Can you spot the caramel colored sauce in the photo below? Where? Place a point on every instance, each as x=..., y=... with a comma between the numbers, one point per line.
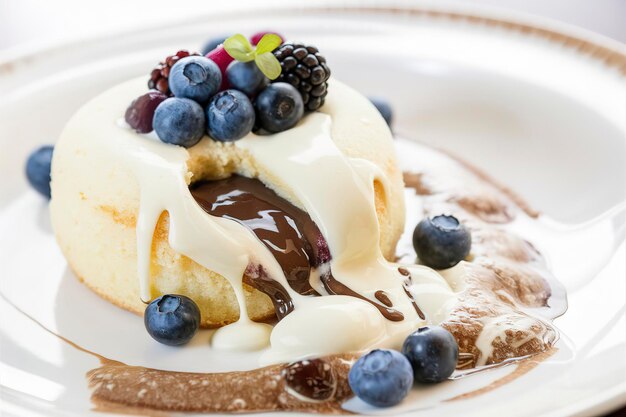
x=319, y=386
x=522, y=367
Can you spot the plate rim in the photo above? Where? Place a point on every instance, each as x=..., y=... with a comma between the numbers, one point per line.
x=603, y=49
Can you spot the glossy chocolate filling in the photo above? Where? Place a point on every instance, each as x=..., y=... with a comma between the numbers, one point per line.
x=289, y=234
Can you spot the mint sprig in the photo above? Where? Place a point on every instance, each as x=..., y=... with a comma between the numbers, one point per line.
x=240, y=49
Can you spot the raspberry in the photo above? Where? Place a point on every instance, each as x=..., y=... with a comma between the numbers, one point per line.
x=304, y=68
x=159, y=75
x=254, y=39
x=222, y=59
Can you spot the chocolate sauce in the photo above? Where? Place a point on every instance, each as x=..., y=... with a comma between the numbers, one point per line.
x=314, y=379
x=407, y=283
x=289, y=234
x=383, y=298
x=417, y=308
x=337, y=288
x=257, y=277
x=404, y=271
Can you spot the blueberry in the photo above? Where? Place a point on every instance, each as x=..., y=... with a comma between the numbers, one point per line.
x=140, y=113
x=433, y=353
x=179, y=121
x=195, y=77
x=172, y=319
x=384, y=108
x=279, y=107
x=230, y=116
x=38, y=169
x=381, y=378
x=245, y=76
x=441, y=241
x=212, y=43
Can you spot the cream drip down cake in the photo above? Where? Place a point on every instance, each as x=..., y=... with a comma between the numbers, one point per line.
x=250, y=192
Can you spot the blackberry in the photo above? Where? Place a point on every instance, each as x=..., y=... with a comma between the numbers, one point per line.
x=304, y=68
x=160, y=73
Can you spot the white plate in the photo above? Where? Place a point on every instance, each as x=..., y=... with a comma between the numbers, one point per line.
x=541, y=110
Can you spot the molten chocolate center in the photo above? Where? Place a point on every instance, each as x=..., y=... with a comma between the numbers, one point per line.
x=289, y=233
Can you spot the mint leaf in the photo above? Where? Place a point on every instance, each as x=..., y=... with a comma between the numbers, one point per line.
x=268, y=43
x=239, y=48
x=268, y=64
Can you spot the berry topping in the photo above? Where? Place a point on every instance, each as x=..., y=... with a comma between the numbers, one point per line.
x=159, y=75
x=279, y=107
x=256, y=38
x=245, y=77
x=195, y=77
x=384, y=108
x=213, y=43
x=304, y=68
x=441, y=241
x=172, y=319
x=432, y=352
x=38, y=169
x=179, y=121
x=381, y=378
x=230, y=116
x=222, y=59
x=241, y=71
x=141, y=111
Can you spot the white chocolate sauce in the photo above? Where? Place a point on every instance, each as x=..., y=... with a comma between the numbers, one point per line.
x=335, y=189
x=338, y=193
x=309, y=163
